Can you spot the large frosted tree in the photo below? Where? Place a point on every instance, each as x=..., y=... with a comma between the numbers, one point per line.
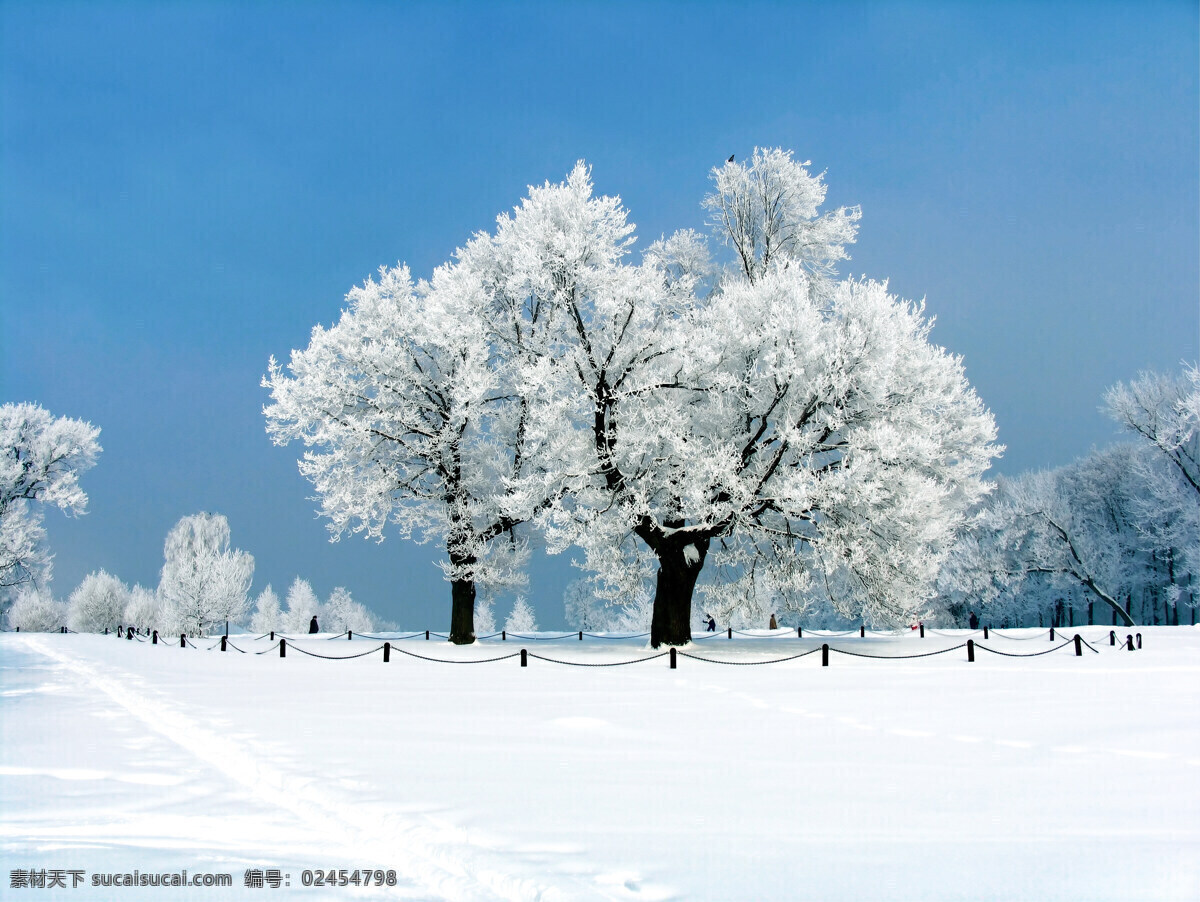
x=406, y=406
x=41, y=459
x=795, y=424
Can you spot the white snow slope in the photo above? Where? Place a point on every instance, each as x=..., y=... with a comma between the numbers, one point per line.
x=1040, y=778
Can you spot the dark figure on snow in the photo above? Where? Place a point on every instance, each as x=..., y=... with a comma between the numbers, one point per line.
x=312, y=626
x=973, y=621
x=731, y=156
x=773, y=625
x=712, y=625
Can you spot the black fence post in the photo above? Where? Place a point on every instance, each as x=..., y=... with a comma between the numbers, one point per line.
x=862, y=631
x=503, y=635
x=730, y=632
x=672, y=659
x=1112, y=637
x=183, y=640
x=272, y=635
x=105, y=630
x=224, y=639
x=1129, y=643
x=970, y=651
x=129, y=633
x=825, y=654
x=1051, y=634
x=283, y=648
x=154, y=641
x=349, y=634
x=799, y=632
x=426, y=635
x=581, y=635
x=985, y=632
x=387, y=652
x=922, y=631
x=1139, y=640
x=120, y=630
x=524, y=658
x=1078, y=646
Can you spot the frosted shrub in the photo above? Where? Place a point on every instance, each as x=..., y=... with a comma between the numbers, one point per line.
x=35, y=611
x=522, y=619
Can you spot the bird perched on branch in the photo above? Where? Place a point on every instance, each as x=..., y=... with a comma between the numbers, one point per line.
x=731, y=156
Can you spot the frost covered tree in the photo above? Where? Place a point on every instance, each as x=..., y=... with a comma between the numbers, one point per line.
x=1165, y=411
x=34, y=610
x=586, y=609
x=485, y=618
x=406, y=409
x=343, y=613
x=804, y=425
x=204, y=581
x=144, y=609
x=266, y=617
x=302, y=606
x=522, y=618
x=98, y=603
x=41, y=458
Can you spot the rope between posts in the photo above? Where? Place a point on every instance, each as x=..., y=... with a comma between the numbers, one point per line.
x=803, y=654
x=597, y=636
x=412, y=654
x=779, y=635
x=394, y=638
x=928, y=654
x=543, y=638
x=338, y=636
x=234, y=647
x=268, y=650
x=1035, y=654
x=1015, y=638
x=596, y=664
x=313, y=654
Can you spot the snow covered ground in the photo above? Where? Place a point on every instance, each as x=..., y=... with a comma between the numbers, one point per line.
x=1050, y=777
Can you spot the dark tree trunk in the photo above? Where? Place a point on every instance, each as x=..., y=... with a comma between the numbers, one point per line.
x=672, y=620
x=462, y=611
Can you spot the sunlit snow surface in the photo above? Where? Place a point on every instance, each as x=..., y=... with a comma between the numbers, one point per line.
x=1041, y=778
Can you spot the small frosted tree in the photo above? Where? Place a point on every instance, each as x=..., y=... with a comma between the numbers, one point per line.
x=144, y=609
x=485, y=618
x=521, y=619
x=302, y=606
x=34, y=610
x=204, y=581
x=41, y=458
x=98, y=603
x=343, y=613
x=267, y=617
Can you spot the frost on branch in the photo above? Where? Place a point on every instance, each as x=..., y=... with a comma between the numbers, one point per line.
x=41, y=458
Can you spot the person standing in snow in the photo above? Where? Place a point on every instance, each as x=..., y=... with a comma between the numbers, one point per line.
x=973, y=621
x=712, y=625
x=773, y=625
x=312, y=626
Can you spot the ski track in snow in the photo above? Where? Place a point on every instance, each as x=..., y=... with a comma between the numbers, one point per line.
x=444, y=861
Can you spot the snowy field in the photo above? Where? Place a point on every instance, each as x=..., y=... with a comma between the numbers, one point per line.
x=1041, y=778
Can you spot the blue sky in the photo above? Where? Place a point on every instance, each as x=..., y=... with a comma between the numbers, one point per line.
x=187, y=188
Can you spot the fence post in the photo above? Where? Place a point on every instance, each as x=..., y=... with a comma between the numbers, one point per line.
x=985, y=632
x=799, y=632
x=825, y=654
x=120, y=630
x=1051, y=634
x=730, y=632
x=387, y=652
x=503, y=635
x=1139, y=640
x=970, y=651
x=581, y=635
x=1078, y=646
x=105, y=630
x=672, y=659
x=922, y=631
x=283, y=648
x=129, y=633
x=183, y=640
x=349, y=634
x=1129, y=643
x=862, y=631
x=224, y=639
x=426, y=635
x=154, y=641
x=524, y=658
x=1112, y=637
x=272, y=635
